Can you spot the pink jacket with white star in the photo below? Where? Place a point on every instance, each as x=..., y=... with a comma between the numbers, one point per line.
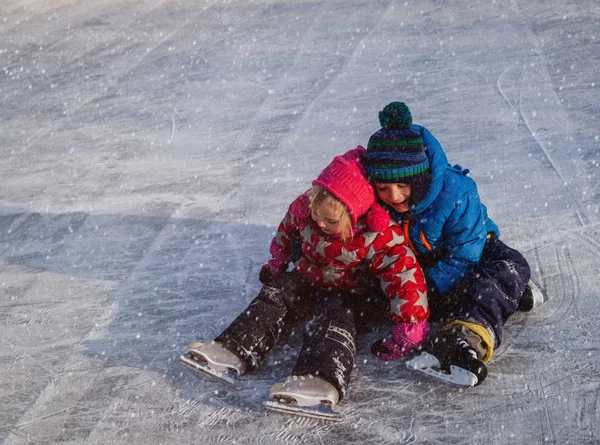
x=332, y=263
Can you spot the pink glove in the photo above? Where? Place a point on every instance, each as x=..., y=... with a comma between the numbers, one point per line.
x=405, y=338
x=271, y=270
x=276, y=265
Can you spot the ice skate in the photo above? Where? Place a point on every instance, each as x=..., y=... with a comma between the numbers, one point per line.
x=533, y=296
x=214, y=360
x=307, y=396
x=450, y=359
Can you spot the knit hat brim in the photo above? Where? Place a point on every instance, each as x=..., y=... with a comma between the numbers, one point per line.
x=379, y=172
x=346, y=179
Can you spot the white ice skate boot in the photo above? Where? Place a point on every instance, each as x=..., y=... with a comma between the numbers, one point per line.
x=214, y=360
x=305, y=396
x=533, y=296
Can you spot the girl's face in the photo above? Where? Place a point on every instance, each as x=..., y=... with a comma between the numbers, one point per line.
x=328, y=218
x=396, y=195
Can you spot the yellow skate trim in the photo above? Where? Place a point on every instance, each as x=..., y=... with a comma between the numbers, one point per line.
x=482, y=332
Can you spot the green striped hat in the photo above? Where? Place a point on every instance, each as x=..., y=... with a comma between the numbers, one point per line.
x=396, y=152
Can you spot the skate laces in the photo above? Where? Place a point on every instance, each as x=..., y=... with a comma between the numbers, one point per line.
x=465, y=346
x=294, y=378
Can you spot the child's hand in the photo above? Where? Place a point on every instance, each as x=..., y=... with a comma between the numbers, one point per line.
x=265, y=276
x=275, y=267
x=405, y=338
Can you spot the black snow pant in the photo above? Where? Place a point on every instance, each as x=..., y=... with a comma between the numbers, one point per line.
x=489, y=294
x=334, y=317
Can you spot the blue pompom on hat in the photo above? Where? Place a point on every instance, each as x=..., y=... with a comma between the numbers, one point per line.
x=396, y=154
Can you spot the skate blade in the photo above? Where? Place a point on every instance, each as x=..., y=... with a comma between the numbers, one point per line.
x=429, y=366
x=204, y=369
x=315, y=411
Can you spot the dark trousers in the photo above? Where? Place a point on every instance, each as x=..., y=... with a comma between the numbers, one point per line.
x=489, y=294
x=334, y=317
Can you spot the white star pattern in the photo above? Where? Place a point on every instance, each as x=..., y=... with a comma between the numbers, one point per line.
x=279, y=238
x=321, y=246
x=396, y=304
x=422, y=301
x=306, y=234
x=396, y=239
x=370, y=253
x=370, y=237
x=408, y=275
x=347, y=257
x=387, y=260
x=330, y=274
x=385, y=285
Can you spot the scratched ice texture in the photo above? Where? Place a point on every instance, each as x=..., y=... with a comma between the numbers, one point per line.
x=149, y=148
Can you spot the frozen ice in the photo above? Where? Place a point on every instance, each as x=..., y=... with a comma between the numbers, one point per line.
x=149, y=148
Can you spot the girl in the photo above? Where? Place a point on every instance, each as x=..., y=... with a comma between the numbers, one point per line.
x=476, y=282
x=342, y=237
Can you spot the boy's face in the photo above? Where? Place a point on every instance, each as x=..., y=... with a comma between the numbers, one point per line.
x=328, y=218
x=396, y=195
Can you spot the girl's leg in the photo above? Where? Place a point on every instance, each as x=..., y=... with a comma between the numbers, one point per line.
x=287, y=300
x=328, y=350
x=371, y=307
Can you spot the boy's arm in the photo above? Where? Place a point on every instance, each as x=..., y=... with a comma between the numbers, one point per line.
x=464, y=233
x=464, y=239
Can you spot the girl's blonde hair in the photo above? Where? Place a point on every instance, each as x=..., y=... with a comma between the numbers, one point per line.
x=320, y=196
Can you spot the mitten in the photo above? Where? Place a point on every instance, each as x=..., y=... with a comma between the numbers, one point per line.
x=271, y=270
x=405, y=337
x=265, y=276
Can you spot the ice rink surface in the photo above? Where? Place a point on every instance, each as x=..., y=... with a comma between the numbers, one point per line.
x=148, y=150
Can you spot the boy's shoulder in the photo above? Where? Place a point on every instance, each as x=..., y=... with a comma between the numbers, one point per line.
x=458, y=181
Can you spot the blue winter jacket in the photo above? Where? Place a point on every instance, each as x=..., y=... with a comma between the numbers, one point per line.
x=450, y=224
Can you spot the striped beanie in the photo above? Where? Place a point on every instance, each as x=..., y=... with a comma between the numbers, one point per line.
x=396, y=153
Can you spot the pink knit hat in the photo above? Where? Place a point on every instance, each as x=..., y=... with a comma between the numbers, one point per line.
x=345, y=179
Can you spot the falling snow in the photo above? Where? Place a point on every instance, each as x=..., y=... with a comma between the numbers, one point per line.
x=149, y=148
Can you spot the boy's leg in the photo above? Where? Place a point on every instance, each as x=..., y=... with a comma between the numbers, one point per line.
x=287, y=300
x=487, y=296
x=329, y=350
